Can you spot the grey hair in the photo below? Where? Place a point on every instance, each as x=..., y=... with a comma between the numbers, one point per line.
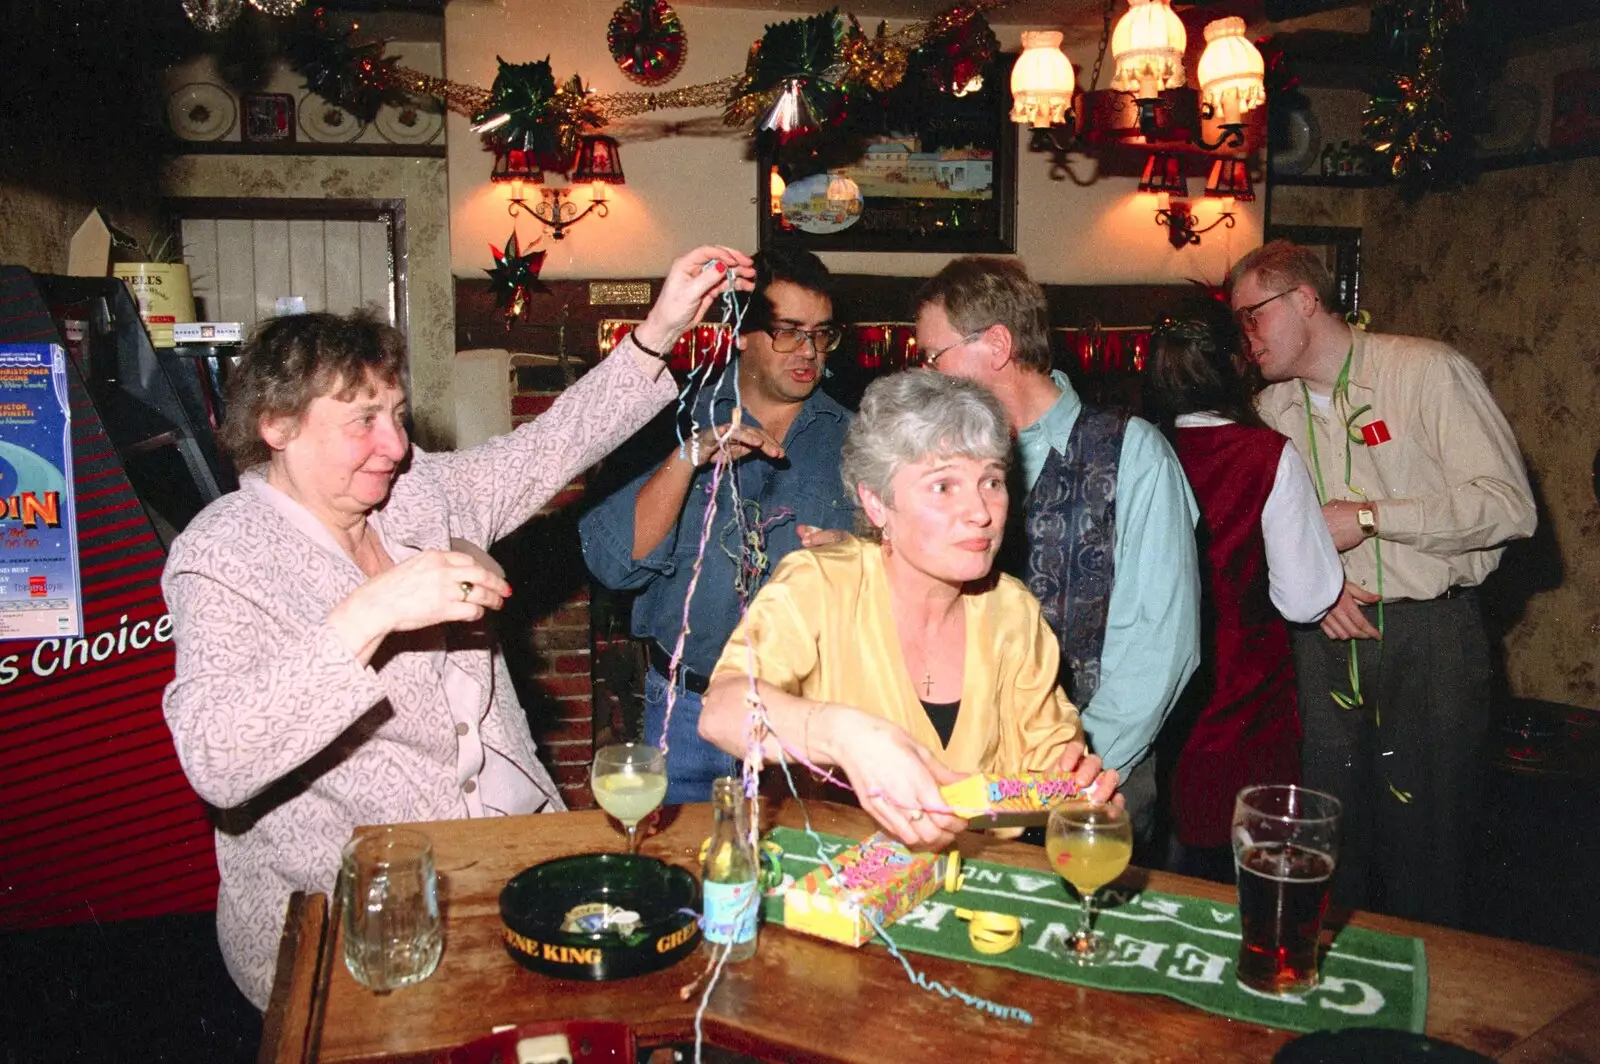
x=908, y=416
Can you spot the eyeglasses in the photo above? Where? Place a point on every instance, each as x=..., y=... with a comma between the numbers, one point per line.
x=1246, y=316
x=822, y=340
x=931, y=359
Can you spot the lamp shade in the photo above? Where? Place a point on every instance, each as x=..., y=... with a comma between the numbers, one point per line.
x=842, y=190
x=1231, y=64
x=1148, y=45
x=1163, y=172
x=599, y=159
x=514, y=164
x=1041, y=81
x=1230, y=179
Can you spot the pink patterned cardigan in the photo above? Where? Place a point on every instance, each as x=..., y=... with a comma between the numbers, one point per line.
x=290, y=739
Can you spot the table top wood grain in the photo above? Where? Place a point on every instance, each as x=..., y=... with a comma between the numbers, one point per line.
x=800, y=998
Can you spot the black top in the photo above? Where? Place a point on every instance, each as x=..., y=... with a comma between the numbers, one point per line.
x=943, y=717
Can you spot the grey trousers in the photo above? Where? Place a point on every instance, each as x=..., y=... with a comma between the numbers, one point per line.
x=1421, y=732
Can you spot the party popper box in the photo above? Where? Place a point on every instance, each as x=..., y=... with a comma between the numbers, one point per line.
x=878, y=880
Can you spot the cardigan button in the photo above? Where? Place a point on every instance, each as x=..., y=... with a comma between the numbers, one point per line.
x=462, y=727
x=469, y=786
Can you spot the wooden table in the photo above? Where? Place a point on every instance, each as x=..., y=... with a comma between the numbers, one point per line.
x=804, y=999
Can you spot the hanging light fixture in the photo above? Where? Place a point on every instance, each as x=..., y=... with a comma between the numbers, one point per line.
x=1232, y=76
x=1041, y=81
x=1163, y=174
x=1147, y=47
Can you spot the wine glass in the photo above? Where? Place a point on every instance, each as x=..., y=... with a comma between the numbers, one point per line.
x=629, y=781
x=1089, y=845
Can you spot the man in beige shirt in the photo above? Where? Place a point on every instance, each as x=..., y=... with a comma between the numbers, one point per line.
x=1422, y=485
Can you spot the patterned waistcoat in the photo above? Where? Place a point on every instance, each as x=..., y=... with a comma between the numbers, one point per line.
x=1070, y=534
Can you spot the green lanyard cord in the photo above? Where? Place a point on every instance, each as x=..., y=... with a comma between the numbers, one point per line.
x=1352, y=435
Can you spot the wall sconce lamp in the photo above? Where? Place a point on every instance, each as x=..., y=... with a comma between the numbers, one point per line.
x=1163, y=175
x=599, y=164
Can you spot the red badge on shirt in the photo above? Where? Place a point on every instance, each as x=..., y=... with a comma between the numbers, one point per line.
x=1375, y=432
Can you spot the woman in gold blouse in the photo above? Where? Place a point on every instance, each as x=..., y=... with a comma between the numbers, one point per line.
x=899, y=657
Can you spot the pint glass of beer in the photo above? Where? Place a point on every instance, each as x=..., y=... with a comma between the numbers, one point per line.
x=1285, y=843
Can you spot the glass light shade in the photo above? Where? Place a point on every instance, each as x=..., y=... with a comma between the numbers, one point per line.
x=1041, y=81
x=516, y=166
x=599, y=159
x=1231, y=70
x=1148, y=45
x=842, y=190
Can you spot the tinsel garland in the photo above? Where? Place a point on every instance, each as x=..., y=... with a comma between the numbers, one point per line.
x=1418, y=123
x=821, y=56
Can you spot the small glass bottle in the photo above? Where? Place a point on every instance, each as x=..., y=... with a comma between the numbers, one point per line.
x=732, y=898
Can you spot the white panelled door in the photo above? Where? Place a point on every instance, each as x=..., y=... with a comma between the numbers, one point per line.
x=240, y=266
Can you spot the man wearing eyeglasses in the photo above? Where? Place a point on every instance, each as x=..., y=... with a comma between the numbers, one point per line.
x=784, y=449
x=1422, y=486
x=1105, y=537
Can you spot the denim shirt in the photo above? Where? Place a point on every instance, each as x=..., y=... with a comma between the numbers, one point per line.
x=801, y=488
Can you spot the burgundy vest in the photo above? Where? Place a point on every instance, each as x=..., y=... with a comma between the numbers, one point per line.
x=1240, y=711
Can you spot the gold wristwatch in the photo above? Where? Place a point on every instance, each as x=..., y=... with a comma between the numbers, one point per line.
x=1367, y=518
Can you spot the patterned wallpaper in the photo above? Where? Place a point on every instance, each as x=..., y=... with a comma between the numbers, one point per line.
x=430, y=296
x=1508, y=271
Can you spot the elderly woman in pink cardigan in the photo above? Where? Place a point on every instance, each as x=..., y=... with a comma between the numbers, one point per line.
x=329, y=669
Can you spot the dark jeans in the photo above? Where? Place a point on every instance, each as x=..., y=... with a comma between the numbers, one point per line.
x=1407, y=764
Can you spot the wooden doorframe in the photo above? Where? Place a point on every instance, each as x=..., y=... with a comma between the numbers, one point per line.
x=392, y=212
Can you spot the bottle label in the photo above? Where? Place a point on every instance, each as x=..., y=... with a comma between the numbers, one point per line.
x=731, y=910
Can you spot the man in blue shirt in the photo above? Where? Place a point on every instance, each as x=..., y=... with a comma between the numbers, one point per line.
x=1128, y=617
x=784, y=457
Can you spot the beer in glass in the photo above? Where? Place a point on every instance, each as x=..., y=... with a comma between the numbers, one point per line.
x=1285, y=843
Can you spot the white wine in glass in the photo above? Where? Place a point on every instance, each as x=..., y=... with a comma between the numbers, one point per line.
x=1089, y=846
x=629, y=781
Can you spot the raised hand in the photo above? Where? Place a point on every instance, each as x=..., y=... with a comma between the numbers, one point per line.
x=736, y=442
x=432, y=587
x=689, y=289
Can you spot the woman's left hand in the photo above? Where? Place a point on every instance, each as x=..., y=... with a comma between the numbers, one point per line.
x=691, y=283
x=1093, y=779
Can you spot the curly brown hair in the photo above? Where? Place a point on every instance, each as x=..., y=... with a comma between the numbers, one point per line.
x=292, y=360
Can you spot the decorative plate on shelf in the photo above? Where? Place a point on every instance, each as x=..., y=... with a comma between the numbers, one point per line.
x=327, y=122
x=201, y=111
x=415, y=123
x=1301, y=142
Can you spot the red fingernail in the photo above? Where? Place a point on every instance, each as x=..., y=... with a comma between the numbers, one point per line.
x=720, y=267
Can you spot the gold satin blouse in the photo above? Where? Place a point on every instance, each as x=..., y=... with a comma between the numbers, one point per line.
x=822, y=628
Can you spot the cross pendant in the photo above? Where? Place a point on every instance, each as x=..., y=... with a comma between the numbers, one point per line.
x=927, y=682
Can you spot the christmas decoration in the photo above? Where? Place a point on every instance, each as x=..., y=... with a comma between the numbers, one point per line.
x=212, y=16
x=800, y=74
x=352, y=75
x=646, y=39
x=1419, y=125
x=515, y=278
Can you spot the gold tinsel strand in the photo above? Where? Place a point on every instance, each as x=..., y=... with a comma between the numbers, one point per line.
x=880, y=62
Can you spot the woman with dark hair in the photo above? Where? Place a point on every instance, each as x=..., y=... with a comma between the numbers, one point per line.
x=1265, y=557
x=331, y=669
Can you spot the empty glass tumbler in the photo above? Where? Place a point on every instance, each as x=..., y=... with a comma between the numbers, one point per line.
x=392, y=935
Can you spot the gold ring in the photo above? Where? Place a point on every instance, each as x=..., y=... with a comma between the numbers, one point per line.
x=466, y=590
x=915, y=814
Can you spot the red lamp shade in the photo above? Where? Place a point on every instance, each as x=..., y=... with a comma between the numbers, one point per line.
x=599, y=159
x=514, y=164
x=1231, y=177
x=1163, y=172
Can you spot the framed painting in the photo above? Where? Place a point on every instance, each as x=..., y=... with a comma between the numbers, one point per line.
x=926, y=171
x=1340, y=249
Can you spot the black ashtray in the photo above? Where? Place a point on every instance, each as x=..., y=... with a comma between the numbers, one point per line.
x=600, y=916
